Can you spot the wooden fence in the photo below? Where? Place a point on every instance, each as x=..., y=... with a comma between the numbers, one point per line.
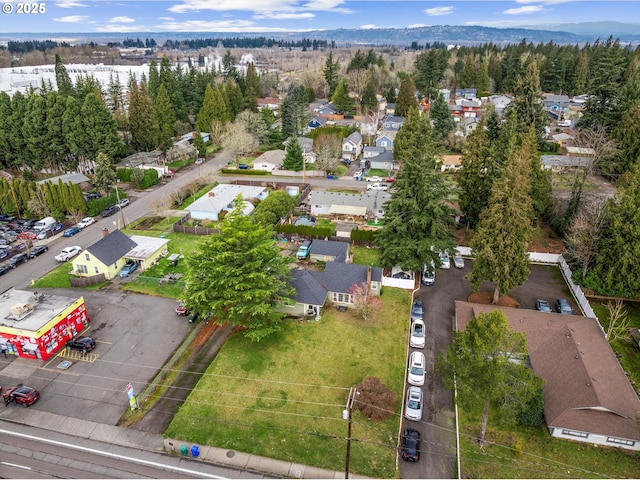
x=87, y=281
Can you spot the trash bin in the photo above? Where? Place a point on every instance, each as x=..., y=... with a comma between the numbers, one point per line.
x=174, y=263
x=184, y=450
x=195, y=451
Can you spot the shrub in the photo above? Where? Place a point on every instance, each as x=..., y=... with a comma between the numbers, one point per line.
x=366, y=235
x=124, y=174
x=233, y=171
x=375, y=400
x=305, y=230
x=150, y=179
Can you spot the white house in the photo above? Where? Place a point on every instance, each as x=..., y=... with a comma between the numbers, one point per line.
x=269, y=161
x=222, y=197
x=352, y=146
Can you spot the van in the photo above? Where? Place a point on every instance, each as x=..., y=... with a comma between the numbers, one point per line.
x=45, y=223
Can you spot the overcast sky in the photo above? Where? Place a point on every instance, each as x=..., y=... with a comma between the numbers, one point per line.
x=282, y=15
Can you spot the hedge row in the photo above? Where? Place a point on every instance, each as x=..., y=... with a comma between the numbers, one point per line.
x=150, y=177
x=366, y=235
x=318, y=232
x=233, y=171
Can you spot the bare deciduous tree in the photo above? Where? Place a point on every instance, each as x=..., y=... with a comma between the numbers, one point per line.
x=357, y=81
x=238, y=142
x=618, y=321
x=159, y=207
x=366, y=304
x=218, y=131
x=38, y=204
x=583, y=237
x=181, y=152
x=328, y=149
x=597, y=139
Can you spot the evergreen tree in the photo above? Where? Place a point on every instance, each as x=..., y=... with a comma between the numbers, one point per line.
x=468, y=73
x=406, y=97
x=341, y=99
x=330, y=71
x=627, y=135
x=75, y=136
x=527, y=104
x=34, y=131
x=229, y=70
x=369, y=99
x=100, y=127
x=233, y=93
x=429, y=70
x=208, y=110
x=239, y=277
x=5, y=141
x=414, y=137
x=63, y=80
x=154, y=80
x=294, y=111
x=17, y=154
x=443, y=121
x=293, y=160
x=482, y=79
x=166, y=119
x=502, y=237
x=115, y=93
x=539, y=178
x=143, y=122
x=56, y=145
x=252, y=88
x=104, y=173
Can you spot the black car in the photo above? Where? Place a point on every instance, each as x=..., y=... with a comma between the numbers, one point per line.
x=417, y=310
x=411, y=445
x=86, y=344
x=4, y=269
x=17, y=260
x=563, y=306
x=37, y=250
x=107, y=212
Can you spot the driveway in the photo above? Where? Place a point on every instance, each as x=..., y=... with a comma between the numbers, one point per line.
x=438, y=422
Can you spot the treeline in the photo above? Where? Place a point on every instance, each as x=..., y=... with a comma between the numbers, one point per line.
x=246, y=42
x=30, y=45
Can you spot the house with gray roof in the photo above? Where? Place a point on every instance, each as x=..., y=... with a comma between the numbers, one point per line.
x=329, y=251
x=385, y=161
x=222, y=198
x=352, y=146
x=74, y=178
x=368, y=204
x=392, y=123
x=106, y=256
x=368, y=152
x=385, y=139
x=309, y=297
x=561, y=163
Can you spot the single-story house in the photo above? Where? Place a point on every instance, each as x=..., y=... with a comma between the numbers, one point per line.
x=392, y=122
x=222, y=197
x=106, y=256
x=390, y=108
x=364, y=205
x=559, y=163
x=385, y=161
x=580, y=152
x=352, y=146
x=386, y=139
x=148, y=250
x=466, y=93
x=451, y=163
x=368, y=152
x=306, y=144
x=587, y=396
x=74, y=178
x=310, y=295
x=499, y=102
x=269, y=161
x=562, y=139
x=328, y=110
x=329, y=251
x=316, y=122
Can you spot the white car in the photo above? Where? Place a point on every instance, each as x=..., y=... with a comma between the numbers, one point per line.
x=458, y=261
x=417, y=339
x=374, y=179
x=378, y=186
x=445, y=263
x=123, y=203
x=86, y=221
x=413, y=409
x=428, y=274
x=68, y=253
x=416, y=369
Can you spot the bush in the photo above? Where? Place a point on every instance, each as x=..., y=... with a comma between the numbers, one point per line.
x=365, y=235
x=375, y=400
x=305, y=230
x=124, y=174
x=150, y=178
x=233, y=171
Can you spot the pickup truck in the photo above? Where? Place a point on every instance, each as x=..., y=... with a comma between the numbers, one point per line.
x=378, y=186
x=304, y=250
x=67, y=253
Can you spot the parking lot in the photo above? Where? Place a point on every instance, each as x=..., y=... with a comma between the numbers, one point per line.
x=135, y=336
x=437, y=428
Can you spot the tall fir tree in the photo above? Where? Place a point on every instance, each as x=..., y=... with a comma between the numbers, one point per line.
x=527, y=103
x=443, y=121
x=294, y=111
x=414, y=137
x=143, y=122
x=330, y=71
x=293, y=159
x=369, y=99
x=252, y=88
x=34, y=131
x=406, y=97
x=63, y=80
x=166, y=118
x=154, y=79
x=341, y=99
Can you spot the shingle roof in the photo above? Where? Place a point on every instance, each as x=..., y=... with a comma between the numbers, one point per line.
x=112, y=247
x=331, y=248
x=340, y=277
x=373, y=200
x=308, y=289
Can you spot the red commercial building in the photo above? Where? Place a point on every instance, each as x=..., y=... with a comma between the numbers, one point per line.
x=37, y=325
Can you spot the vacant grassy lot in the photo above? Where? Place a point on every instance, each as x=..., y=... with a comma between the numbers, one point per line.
x=283, y=397
x=521, y=452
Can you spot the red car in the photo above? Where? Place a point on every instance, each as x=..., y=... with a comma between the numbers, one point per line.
x=21, y=395
x=390, y=179
x=28, y=235
x=182, y=310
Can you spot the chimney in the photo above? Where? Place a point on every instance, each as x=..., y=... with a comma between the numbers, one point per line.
x=105, y=232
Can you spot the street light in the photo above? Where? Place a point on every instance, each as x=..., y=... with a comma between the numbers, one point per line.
x=347, y=414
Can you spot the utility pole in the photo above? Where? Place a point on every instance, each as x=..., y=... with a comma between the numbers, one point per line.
x=119, y=206
x=347, y=414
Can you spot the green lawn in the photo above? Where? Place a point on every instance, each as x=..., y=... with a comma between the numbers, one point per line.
x=366, y=256
x=283, y=397
x=530, y=452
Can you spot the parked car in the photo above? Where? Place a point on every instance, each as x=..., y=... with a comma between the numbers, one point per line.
x=304, y=250
x=390, y=179
x=199, y=161
x=4, y=269
x=413, y=408
x=49, y=231
x=37, y=250
x=428, y=274
x=458, y=261
x=416, y=369
x=383, y=187
x=85, y=344
x=71, y=231
x=445, y=263
x=358, y=173
x=107, y=212
x=181, y=310
x=21, y=395
x=244, y=166
x=417, y=339
x=411, y=445
x=563, y=306
x=401, y=275
x=28, y=235
x=123, y=203
x=17, y=260
x=68, y=253
x=86, y=221
x=345, y=161
x=128, y=268
x=417, y=310
x=543, y=306
x=375, y=178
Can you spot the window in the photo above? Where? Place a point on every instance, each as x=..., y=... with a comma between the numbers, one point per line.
x=621, y=441
x=573, y=433
x=87, y=258
x=96, y=269
x=83, y=269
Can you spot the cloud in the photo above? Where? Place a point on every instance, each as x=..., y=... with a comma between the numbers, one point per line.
x=439, y=11
x=286, y=16
x=220, y=26
x=243, y=5
x=523, y=10
x=417, y=25
x=122, y=28
x=73, y=19
x=121, y=20
x=69, y=4
x=369, y=26
x=545, y=2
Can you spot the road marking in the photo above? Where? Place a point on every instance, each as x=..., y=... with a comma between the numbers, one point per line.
x=15, y=465
x=111, y=455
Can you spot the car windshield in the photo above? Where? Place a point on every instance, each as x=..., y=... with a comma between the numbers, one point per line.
x=418, y=331
x=413, y=404
x=417, y=370
x=417, y=309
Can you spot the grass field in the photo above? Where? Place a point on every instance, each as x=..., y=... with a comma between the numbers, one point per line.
x=283, y=397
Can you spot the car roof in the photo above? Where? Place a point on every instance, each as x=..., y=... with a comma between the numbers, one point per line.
x=417, y=356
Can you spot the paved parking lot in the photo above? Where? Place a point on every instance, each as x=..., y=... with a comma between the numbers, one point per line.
x=437, y=428
x=135, y=336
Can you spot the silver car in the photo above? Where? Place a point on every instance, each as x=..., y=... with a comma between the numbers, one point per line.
x=416, y=369
x=417, y=339
x=413, y=409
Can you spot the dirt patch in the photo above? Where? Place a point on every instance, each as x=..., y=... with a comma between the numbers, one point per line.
x=485, y=298
x=148, y=222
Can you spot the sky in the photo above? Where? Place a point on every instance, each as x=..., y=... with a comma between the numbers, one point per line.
x=130, y=16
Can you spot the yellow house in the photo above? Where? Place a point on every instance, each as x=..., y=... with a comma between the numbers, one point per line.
x=108, y=255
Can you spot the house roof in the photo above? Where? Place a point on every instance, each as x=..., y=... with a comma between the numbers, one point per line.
x=329, y=107
x=272, y=156
x=306, y=144
x=565, y=161
x=385, y=156
x=75, y=178
x=331, y=248
x=389, y=134
x=340, y=277
x=222, y=196
x=583, y=151
x=373, y=200
x=373, y=149
x=355, y=137
x=348, y=210
x=308, y=289
x=452, y=159
x=316, y=119
x=112, y=247
x=585, y=387
x=561, y=137
x=145, y=246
